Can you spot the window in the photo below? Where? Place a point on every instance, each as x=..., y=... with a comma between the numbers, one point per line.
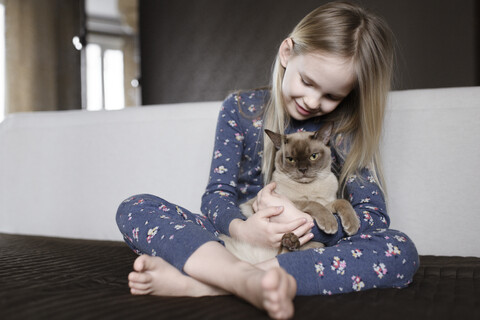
x=105, y=77
x=113, y=75
x=94, y=77
x=110, y=68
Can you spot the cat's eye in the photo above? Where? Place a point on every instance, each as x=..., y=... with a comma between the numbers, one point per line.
x=290, y=159
x=314, y=156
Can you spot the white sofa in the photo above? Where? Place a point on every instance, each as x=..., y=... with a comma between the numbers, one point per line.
x=64, y=173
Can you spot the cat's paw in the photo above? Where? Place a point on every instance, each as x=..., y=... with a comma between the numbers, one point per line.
x=350, y=221
x=348, y=216
x=350, y=224
x=327, y=223
x=290, y=241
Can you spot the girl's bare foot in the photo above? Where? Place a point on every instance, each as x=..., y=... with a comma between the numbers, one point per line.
x=153, y=275
x=273, y=291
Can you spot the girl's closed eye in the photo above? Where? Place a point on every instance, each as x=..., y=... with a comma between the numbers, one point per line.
x=305, y=82
x=333, y=97
x=309, y=83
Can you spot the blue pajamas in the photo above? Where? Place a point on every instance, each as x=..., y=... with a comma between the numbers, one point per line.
x=381, y=258
x=375, y=257
x=153, y=226
x=378, y=259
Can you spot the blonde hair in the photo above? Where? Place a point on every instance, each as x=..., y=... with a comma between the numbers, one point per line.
x=349, y=31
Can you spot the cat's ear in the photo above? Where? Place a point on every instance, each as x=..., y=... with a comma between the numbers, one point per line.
x=275, y=137
x=324, y=133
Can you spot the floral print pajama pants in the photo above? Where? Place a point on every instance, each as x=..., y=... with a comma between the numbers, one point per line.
x=383, y=258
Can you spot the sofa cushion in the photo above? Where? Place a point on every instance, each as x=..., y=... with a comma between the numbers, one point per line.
x=57, y=278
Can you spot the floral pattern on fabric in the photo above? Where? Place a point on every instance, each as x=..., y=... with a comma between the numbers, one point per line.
x=375, y=257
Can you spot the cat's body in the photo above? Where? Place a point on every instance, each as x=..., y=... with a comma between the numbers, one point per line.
x=302, y=174
x=297, y=191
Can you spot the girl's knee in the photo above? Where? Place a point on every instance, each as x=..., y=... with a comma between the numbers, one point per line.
x=393, y=250
x=130, y=206
x=402, y=256
x=139, y=203
x=411, y=257
x=142, y=205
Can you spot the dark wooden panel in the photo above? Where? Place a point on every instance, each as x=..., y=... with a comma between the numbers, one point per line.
x=201, y=50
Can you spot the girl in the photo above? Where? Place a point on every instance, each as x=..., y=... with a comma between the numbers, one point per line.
x=336, y=66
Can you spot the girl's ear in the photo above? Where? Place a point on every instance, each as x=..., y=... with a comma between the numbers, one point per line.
x=285, y=51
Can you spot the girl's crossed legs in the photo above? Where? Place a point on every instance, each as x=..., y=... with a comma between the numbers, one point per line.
x=193, y=261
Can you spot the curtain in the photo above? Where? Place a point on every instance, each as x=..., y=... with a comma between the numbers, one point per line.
x=43, y=69
x=129, y=12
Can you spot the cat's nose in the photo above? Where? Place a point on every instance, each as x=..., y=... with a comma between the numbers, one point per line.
x=302, y=170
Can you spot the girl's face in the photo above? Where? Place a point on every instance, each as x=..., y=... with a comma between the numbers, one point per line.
x=314, y=84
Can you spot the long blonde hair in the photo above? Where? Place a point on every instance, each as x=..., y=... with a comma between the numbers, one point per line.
x=349, y=31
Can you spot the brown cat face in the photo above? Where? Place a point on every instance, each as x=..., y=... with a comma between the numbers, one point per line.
x=302, y=156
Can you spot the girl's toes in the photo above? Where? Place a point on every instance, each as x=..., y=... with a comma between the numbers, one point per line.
x=140, y=285
x=133, y=276
x=271, y=280
x=143, y=263
x=140, y=277
x=139, y=292
x=279, y=291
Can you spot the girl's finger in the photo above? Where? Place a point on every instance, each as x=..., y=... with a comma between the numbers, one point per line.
x=292, y=226
x=277, y=240
x=255, y=205
x=307, y=237
x=270, y=187
x=259, y=195
x=303, y=229
x=270, y=212
x=267, y=189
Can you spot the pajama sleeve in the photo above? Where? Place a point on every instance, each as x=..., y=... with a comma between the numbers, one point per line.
x=220, y=200
x=368, y=201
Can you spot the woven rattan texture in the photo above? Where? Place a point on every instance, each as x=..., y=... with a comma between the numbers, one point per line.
x=54, y=278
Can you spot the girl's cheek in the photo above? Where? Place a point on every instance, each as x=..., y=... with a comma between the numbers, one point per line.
x=295, y=90
x=285, y=87
x=329, y=107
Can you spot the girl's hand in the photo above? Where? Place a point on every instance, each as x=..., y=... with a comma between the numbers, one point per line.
x=275, y=215
x=267, y=197
x=259, y=230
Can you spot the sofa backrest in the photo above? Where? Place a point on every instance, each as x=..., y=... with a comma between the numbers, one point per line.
x=431, y=154
x=65, y=173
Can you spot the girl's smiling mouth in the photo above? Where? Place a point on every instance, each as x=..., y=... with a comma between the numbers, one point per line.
x=302, y=110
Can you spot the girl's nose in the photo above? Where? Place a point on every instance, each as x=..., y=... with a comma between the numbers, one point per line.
x=312, y=103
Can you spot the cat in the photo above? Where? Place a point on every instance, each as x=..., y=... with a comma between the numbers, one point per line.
x=303, y=174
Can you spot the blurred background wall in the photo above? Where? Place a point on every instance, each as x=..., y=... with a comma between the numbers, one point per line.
x=145, y=52
x=200, y=50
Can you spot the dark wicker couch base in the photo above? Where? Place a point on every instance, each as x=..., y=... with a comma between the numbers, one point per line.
x=56, y=278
